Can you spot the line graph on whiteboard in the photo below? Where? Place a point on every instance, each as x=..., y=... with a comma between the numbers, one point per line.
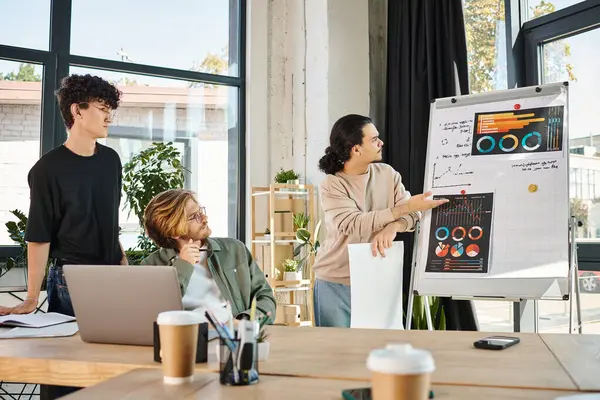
x=444, y=177
x=459, y=238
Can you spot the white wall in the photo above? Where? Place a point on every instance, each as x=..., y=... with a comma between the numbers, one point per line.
x=308, y=64
x=348, y=58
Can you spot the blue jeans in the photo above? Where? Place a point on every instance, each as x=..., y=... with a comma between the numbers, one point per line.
x=59, y=301
x=332, y=304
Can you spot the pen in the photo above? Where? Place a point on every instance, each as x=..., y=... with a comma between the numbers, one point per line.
x=228, y=342
x=253, y=309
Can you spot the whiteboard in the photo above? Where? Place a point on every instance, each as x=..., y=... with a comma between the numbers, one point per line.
x=502, y=160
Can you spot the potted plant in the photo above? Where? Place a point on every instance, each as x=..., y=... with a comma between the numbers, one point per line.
x=419, y=320
x=18, y=264
x=287, y=176
x=300, y=221
x=304, y=238
x=264, y=346
x=267, y=234
x=291, y=271
x=148, y=173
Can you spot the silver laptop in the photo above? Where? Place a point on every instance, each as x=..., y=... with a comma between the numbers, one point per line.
x=119, y=304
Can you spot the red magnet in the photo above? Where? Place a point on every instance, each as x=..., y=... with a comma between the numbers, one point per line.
x=463, y=191
x=517, y=106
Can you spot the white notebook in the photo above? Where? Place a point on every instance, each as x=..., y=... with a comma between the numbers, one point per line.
x=35, y=320
x=376, y=287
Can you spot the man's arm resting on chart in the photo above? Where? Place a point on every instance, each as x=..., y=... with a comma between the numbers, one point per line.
x=350, y=220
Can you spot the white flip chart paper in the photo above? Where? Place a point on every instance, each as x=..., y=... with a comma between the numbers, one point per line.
x=376, y=287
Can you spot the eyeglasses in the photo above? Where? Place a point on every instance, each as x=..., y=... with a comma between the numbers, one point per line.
x=112, y=114
x=198, y=214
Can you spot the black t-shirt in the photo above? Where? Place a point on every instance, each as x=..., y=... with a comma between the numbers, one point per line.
x=75, y=205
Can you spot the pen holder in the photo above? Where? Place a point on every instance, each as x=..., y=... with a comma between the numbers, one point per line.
x=239, y=367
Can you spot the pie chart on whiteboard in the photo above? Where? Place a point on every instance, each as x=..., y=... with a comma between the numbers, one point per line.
x=472, y=250
x=457, y=250
x=442, y=250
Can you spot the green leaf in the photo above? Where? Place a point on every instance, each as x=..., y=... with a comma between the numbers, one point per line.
x=297, y=250
x=303, y=235
x=317, y=231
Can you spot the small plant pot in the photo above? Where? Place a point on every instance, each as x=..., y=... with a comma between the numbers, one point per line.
x=264, y=349
x=292, y=276
x=293, y=182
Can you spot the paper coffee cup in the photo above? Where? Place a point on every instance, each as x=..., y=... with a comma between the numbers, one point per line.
x=178, y=332
x=400, y=372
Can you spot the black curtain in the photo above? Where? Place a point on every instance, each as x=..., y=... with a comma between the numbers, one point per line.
x=427, y=59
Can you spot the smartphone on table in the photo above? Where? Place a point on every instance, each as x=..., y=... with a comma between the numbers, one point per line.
x=496, y=342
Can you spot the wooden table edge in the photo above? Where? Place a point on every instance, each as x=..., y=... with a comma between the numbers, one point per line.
x=579, y=388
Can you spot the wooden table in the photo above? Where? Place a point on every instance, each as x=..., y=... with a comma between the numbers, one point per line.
x=147, y=384
x=324, y=353
x=340, y=353
x=580, y=357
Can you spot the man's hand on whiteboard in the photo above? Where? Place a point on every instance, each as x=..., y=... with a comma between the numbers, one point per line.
x=383, y=240
x=420, y=202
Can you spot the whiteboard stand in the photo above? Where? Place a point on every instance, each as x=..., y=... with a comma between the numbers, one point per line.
x=519, y=304
x=574, y=277
x=411, y=289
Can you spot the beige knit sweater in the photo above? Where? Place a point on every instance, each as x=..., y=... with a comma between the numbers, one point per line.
x=356, y=208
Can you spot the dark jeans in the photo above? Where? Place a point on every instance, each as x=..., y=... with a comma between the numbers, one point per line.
x=59, y=301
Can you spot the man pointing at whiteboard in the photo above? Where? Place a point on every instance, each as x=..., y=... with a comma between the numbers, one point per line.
x=364, y=201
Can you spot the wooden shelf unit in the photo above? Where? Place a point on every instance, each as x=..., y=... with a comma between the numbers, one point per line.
x=283, y=200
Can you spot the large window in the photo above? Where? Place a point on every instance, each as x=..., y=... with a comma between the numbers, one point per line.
x=20, y=120
x=25, y=23
x=563, y=47
x=538, y=8
x=180, y=68
x=182, y=34
x=556, y=43
x=486, y=44
x=199, y=119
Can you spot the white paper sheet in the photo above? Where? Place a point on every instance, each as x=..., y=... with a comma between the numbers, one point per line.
x=39, y=320
x=60, y=330
x=376, y=287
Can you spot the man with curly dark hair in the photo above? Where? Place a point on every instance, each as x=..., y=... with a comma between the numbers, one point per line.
x=75, y=191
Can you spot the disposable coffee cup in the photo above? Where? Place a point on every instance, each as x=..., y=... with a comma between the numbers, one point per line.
x=178, y=332
x=400, y=372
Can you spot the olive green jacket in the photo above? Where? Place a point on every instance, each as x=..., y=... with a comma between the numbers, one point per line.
x=235, y=272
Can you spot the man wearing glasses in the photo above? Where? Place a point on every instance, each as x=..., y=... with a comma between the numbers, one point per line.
x=75, y=191
x=214, y=273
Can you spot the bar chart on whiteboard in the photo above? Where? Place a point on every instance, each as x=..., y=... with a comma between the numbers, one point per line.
x=460, y=234
x=536, y=130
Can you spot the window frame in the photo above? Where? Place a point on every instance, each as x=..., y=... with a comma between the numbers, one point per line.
x=570, y=21
x=58, y=60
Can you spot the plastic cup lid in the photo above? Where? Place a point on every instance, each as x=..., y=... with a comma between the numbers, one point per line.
x=401, y=359
x=179, y=318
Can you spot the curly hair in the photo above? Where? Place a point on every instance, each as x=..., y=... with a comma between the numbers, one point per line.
x=165, y=217
x=346, y=133
x=76, y=89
